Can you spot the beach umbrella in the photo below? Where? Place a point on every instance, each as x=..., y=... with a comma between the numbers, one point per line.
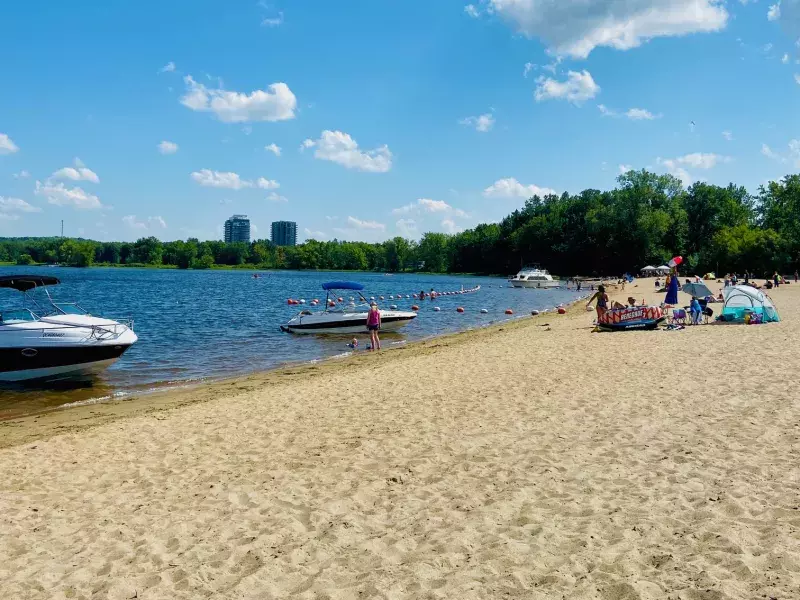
x=697, y=290
x=672, y=292
x=676, y=260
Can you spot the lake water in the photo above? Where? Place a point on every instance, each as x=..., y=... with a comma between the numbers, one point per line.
x=200, y=325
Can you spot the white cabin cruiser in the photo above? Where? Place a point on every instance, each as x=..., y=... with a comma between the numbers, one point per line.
x=534, y=277
x=55, y=340
x=344, y=319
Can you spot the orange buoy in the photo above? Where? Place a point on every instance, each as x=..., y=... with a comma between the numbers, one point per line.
x=415, y=307
x=290, y=301
x=509, y=311
x=562, y=310
x=460, y=309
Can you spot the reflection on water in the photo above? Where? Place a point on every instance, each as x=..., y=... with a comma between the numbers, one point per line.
x=196, y=325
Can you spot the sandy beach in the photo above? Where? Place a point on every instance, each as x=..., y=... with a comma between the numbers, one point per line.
x=530, y=460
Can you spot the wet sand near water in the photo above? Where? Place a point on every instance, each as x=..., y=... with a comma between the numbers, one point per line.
x=530, y=460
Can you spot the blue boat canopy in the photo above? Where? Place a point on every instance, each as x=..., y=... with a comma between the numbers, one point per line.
x=342, y=285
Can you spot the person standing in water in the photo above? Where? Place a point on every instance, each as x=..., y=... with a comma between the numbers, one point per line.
x=373, y=325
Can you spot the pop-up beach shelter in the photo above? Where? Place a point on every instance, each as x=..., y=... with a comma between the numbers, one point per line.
x=741, y=299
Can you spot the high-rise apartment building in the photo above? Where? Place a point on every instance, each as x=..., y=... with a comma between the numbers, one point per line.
x=284, y=233
x=237, y=229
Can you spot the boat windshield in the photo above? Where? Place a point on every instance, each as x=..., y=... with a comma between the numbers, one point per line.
x=69, y=308
x=17, y=315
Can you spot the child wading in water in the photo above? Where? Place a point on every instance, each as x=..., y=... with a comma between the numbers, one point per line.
x=373, y=325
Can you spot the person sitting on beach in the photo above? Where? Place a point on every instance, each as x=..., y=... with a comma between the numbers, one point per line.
x=696, y=311
x=602, y=301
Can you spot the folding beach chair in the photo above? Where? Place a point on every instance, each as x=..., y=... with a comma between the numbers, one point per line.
x=679, y=316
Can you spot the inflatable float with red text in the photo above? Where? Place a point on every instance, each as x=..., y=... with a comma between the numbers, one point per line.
x=635, y=317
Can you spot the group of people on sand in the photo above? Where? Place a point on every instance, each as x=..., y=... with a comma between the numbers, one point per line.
x=604, y=304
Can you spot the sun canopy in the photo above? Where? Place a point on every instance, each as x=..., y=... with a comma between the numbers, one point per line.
x=697, y=290
x=664, y=268
x=23, y=283
x=342, y=285
x=649, y=268
x=742, y=299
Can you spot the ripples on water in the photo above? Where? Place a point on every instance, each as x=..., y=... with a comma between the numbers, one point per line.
x=196, y=325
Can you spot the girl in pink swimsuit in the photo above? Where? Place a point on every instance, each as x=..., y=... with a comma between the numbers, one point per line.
x=373, y=325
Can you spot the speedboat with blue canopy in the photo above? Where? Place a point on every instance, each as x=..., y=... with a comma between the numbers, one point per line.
x=44, y=339
x=341, y=318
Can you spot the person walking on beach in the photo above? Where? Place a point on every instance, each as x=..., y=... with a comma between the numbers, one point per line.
x=373, y=325
x=602, y=301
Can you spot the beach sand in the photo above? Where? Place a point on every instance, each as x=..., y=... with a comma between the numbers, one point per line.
x=531, y=460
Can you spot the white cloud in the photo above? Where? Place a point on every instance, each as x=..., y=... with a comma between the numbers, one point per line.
x=406, y=227
x=16, y=205
x=450, y=227
x=76, y=174
x=267, y=184
x=634, y=114
x=797, y=78
x=700, y=160
x=167, y=68
x=274, y=148
x=275, y=197
x=339, y=147
x=314, y=235
x=472, y=11
x=607, y=112
x=785, y=59
x=696, y=160
x=528, y=68
x=640, y=114
x=577, y=88
x=511, y=188
x=277, y=103
x=166, y=147
x=767, y=47
x=576, y=27
x=149, y=223
x=624, y=169
x=60, y=195
x=792, y=157
x=21, y=175
x=426, y=205
x=774, y=12
x=7, y=145
x=727, y=135
x=359, y=224
x=220, y=179
x=273, y=21
x=482, y=123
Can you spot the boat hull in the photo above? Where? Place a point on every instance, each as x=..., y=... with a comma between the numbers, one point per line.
x=352, y=323
x=537, y=285
x=53, y=362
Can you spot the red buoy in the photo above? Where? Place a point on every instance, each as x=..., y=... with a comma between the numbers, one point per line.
x=460, y=309
x=562, y=310
x=415, y=307
x=509, y=311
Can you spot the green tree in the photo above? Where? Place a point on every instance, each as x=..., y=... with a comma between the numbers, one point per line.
x=24, y=259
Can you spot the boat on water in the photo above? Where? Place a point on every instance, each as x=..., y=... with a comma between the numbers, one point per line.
x=46, y=340
x=534, y=277
x=340, y=318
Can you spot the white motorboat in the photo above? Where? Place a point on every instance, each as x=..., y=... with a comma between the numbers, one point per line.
x=338, y=318
x=55, y=340
x=534, y=277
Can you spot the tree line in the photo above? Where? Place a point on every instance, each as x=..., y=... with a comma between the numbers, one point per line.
x=646, y=219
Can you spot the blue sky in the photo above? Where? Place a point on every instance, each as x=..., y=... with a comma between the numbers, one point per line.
x=366, y=119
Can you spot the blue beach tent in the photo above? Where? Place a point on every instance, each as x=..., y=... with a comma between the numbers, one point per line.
x=743, y=299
